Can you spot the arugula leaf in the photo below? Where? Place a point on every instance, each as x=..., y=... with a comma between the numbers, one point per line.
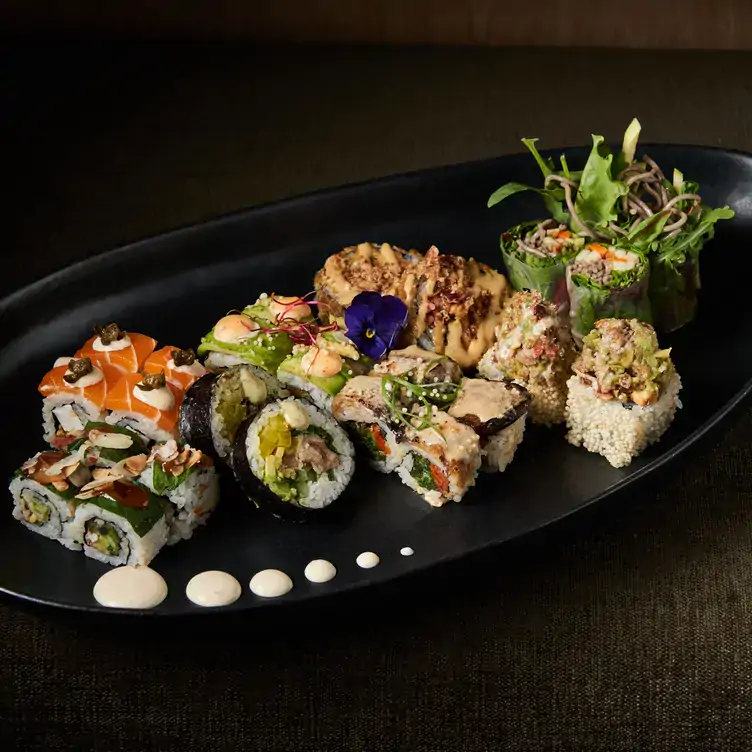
x=546, y=165
x=598, y=192
x=508, y=190
x=695, y=239
x=164, y=482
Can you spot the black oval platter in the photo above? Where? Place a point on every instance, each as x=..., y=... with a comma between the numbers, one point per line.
x=175, y=286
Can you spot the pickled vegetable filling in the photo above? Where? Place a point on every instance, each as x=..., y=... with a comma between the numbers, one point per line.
x=231, y=404
x=102, y=536
x=34, y=510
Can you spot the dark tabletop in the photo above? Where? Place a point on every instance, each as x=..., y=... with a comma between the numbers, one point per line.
x=628, y=627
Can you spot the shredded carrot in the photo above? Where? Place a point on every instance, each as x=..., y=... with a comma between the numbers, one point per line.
x=562, y=234
x=441, y=481
x=598, y=249
x=378, y=437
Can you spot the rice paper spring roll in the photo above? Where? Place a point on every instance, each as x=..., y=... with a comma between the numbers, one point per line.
x=533, y=348
x=320, y=371
x=624, y=392
x=259, y=336
x=536, y=255
x=293, y=459
x=119, y=522
x=607, y=282
x=496, y=411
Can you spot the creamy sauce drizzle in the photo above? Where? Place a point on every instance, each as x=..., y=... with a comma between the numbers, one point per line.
x=320, y=570
x=118, y=344
x=194, y=369
x=367, y=560
x=270, y=583
x=213, y=588
x=130, y=587
x=162, y=398
x=91, y=378
x=407, y=551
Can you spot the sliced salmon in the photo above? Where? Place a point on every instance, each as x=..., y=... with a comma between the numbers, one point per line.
x=161, y=360
x=122, y=399
x=54, y=383
x=128, y=360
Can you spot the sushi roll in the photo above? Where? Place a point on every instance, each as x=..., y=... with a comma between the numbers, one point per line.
x=146, y=404
x=419, y=366
x=374, y=267
x=75, y=392
x=320, y=371
x=119, y=522
x=533, y=348
x=216, y=405
x=441, y=460
x=454, y=305
x=361, y=408
x=293, y=458
x=607, y=282
x=496, y=411
x=536, y=255
x=180, y=367
x=624, y=391
x=259, y=336
x=109, y=446
x=44, y=491
x=187, y=479
x=111, y=346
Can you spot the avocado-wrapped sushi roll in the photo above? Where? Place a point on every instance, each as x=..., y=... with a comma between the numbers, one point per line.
x=259, y=336
x=496, y=411
x=441, y=460
x=361, y=408
x=293, y=458
x=44, y=491
x=321, y=370
x=119, y=522
x=533, y=348
x=215, y=406
x=624, y=391
x=536, y=255
x=607, y=282
x=186, y=477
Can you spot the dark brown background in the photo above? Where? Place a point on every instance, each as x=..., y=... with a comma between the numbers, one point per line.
x=627, y=628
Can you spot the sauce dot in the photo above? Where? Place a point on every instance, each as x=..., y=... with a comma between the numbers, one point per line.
x=270, y=583
x=320, y=570
x=367, y=560
x=130, y=587
x=213, y=588
x=407, y=551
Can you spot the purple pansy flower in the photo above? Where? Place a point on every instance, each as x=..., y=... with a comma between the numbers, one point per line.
x=374, y=322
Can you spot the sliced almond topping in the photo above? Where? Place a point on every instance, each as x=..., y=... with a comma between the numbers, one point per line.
x=167, y=451
x=195, y=458
x=95, y=488
x=60, y=485
x=110, y=439
x=68, y=470
x=29, y=465
x=136, y=465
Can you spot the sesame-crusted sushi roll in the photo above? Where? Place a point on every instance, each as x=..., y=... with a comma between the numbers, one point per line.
x=320, y=371
x=442, y=458
x=119, y=522
x=112, y=346
x=362, y=409
x=624, y=391
x=214, y=408
x=187, y=479
x=532, y=348
x=496, y=411
x=75, y=392
x=607, y=282
x=293, y=459
x=181, y=369
x=258, y=336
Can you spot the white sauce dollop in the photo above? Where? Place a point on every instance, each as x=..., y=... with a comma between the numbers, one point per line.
x=162, y=398
x=320, y=570
x=194, y=369
x=407, y=551
x=270, y=583
x=213, y=588
x=130, y=587
x=118, y=344
x=367, y=560
x=94, y=377
x=62, y=362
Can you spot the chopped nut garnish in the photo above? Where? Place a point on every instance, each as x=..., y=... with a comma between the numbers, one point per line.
x=60, y=485
x=136, y=465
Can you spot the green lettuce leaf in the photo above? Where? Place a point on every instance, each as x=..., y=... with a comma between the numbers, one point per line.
x=164, y=482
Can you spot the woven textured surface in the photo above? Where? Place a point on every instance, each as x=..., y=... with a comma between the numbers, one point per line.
x=625, y=628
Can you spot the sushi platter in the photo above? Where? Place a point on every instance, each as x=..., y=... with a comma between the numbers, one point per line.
x=337, y=390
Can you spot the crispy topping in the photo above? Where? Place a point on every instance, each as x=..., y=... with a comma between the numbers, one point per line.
x=183, y=357
x=109, y=334
x=136, y=465
x=109, y=439
x=77, y=369
x=60, y=485
x=151, y=381
x=176, y=461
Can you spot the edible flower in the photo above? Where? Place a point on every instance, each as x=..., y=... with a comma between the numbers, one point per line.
x=374, y=322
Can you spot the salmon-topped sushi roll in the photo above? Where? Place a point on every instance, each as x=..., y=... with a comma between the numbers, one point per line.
x=110, y=345
x=74, y=392
x=180, y=367
x=145, y=403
